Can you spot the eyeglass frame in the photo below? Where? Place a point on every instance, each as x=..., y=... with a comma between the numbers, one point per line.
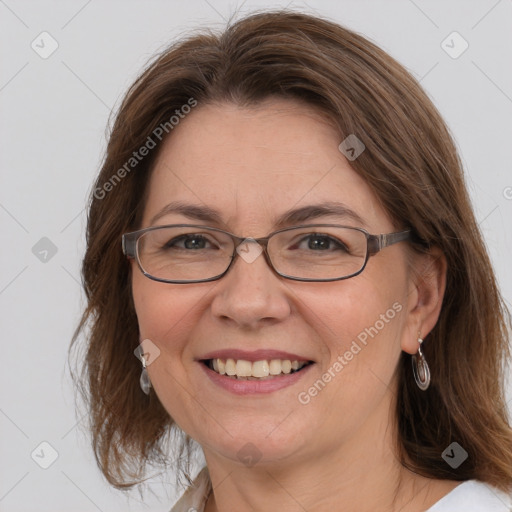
x=374, y=244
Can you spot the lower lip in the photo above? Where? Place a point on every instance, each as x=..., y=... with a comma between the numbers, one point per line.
x=250, y=387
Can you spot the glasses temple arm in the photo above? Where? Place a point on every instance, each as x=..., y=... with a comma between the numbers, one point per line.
x=379, y=242
x=128, y=244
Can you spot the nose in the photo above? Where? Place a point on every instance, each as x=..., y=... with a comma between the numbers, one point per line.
x=251, y=293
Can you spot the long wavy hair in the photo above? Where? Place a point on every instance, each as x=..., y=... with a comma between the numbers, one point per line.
x=412, y=166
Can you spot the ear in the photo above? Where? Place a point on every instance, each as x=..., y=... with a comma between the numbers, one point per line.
x=426, y=292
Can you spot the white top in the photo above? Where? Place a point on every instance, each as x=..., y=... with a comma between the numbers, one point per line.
x=469, y=496
x=473, y=496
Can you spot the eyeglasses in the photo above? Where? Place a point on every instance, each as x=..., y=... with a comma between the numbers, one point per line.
x=187, y=253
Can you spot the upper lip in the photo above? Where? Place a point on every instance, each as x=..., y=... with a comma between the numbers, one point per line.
x=255, y=355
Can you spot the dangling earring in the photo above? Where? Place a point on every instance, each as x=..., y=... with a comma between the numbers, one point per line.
x=420, y=368
x=145, y=383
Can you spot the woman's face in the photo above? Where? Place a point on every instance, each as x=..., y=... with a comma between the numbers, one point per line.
x=251, y=165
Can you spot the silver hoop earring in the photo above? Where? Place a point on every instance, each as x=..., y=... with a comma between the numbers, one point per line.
x=420, y=368
x=145, y=383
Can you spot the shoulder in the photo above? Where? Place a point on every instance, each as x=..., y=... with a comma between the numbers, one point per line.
x=474, y=496
x=194, y=498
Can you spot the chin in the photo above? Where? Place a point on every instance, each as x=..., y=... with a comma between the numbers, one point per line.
x=264, y=442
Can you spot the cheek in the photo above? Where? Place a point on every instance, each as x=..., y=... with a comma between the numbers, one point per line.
x=167, y=315
x=165, y=312
x=360, y=321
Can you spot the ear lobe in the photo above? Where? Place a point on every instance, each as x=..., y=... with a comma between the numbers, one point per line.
x=430, y=285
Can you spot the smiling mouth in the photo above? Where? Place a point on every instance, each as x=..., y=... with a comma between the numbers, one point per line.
x=241, y=369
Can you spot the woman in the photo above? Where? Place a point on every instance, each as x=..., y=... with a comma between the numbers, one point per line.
x=281, y=234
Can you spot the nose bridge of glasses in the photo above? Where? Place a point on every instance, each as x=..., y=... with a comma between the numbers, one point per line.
x=249, y=239
x=249, y=249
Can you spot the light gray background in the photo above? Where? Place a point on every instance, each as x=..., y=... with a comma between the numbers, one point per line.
x=53, y=114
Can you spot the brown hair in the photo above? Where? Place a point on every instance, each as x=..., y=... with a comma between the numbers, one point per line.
x=411, y=164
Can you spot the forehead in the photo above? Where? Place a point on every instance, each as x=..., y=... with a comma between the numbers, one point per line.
x=252, y=164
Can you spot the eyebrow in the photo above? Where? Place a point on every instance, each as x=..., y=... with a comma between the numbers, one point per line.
x=289, y=218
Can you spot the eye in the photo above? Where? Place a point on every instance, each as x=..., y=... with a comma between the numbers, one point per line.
x=320, y=242
x=189, y=241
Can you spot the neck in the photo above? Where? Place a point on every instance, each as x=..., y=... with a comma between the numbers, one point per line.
x=358, y=474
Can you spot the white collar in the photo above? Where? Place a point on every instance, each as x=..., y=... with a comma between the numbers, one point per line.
x=196, y=495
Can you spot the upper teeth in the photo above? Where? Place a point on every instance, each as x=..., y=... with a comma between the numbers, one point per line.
x=243, y=368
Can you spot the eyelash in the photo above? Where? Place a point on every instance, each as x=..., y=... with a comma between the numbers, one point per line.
x=339, y=245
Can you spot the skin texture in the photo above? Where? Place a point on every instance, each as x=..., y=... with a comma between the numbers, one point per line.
x=336, y=452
